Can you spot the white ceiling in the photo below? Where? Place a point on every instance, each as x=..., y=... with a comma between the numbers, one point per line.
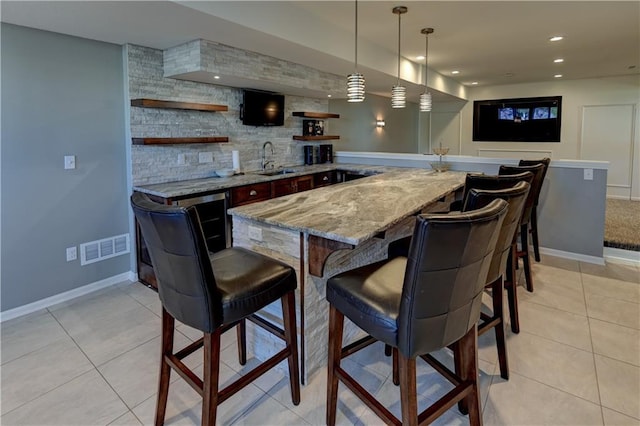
x=485, y=41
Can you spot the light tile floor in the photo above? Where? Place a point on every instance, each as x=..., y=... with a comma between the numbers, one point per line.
x=94, y=361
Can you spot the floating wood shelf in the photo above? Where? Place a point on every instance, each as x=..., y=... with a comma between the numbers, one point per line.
x=154, y=103
x=314, y=114
x=176, y=141
x=315, y=138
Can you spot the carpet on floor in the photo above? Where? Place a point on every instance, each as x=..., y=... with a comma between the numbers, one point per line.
x=622, y=224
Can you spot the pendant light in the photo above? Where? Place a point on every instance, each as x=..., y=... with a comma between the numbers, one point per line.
x=355, y=81
x=425, y=98
x=398, y=92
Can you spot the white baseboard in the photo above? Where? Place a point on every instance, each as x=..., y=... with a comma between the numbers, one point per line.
x=572, y=256
x=625, y=257
x=67, y=295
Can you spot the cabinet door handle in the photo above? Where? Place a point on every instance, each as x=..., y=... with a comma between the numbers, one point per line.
x=253, y=193
x=326, y=178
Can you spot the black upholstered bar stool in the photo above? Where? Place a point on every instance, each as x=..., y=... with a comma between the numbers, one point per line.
x=485, y=182
x=534, y=192
x=501, y=269
x=419, y=304
x=212, y=293
x=534, y=211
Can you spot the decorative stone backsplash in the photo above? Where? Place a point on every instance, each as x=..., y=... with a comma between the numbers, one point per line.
x=160, y=163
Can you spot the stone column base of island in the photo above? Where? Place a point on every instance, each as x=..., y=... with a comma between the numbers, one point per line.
x=312, y=310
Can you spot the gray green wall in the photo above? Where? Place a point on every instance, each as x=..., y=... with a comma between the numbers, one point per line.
x=61, y=95
x=357, y=126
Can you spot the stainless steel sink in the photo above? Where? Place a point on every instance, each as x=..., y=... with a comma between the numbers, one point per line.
x=276, y=172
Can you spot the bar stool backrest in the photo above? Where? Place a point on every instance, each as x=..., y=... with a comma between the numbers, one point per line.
x=545, y=162
x=536, y=184
x=516, y=197
x=179, y=255
x=447, y=265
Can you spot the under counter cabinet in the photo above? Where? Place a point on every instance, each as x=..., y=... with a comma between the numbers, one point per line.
x=292, y=185
x=325, y=178
x=248, y=194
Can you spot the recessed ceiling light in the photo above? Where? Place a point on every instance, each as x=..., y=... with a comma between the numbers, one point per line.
x=455, y=72
x=419, y=58
x=474, y=83
x=216, y=77
x=328, y=96
x=559, y=60
x=558, y=75
x=556, y=38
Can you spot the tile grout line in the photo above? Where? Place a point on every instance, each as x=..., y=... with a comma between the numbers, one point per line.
x=95, y=367
x=593, y=355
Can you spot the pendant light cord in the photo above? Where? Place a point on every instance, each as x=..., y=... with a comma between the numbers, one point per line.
x=426, y=64
x=356, y=42
x=399, y=17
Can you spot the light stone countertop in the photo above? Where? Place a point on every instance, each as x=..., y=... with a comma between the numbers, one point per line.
x=180, y=189
x=353, y=212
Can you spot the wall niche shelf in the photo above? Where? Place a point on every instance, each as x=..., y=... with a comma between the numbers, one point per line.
x=307, y=114
x=177, y=141
x=315, y=138
x=155, y=103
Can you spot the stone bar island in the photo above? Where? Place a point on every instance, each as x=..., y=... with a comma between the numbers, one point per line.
x=328, y=230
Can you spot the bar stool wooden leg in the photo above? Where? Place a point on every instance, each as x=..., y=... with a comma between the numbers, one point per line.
x=497, y=295
x=241, y=330
x=408, y=395
x=168, y=323
x=512, y=293
x=468, y=351
x=395, y=368
x=524, y=231
x=210, y=375
x=336, y=321
x=534, y=234
x=289, y=314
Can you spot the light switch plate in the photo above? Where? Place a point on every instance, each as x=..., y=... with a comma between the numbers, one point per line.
x=588, y=174
x=72, y=253
x=69, y=162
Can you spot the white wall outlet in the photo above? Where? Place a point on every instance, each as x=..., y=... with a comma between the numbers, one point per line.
x=69, y=162
x=588, y=174
x=72, y=253
x=255, y=233
x=182, y=159
x=205, y=157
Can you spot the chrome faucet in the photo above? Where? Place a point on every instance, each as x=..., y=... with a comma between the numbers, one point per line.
x=264, y=151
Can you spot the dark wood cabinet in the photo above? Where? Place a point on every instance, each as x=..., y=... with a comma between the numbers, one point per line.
x=291, y=185
x=248, y=194
x=324, y=179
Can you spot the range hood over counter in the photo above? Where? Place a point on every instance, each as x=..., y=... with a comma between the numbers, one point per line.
x=202, y=60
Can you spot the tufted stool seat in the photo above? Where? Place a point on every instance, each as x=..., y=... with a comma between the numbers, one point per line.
x=212, y=293
x=418, y=304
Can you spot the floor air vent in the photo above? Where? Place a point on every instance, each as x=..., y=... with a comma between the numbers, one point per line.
x=107, y=248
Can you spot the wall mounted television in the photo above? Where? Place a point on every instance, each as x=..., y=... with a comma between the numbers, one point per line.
x=518, y=120
x=262, y=108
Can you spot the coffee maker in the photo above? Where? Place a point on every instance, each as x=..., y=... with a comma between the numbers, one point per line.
x=325, y=153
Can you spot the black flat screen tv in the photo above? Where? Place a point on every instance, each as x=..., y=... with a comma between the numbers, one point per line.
x=262, y=108
x=518, y=120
